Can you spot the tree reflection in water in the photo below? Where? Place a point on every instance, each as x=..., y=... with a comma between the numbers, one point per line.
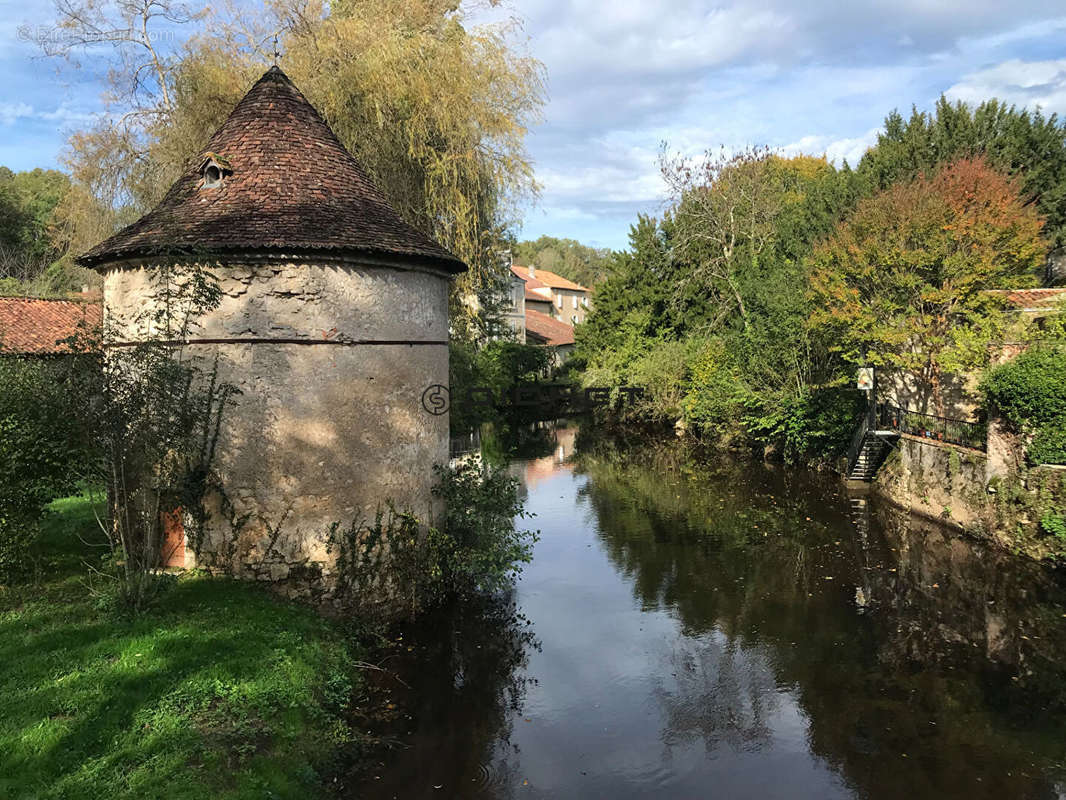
x=720, y=628
x=957, y=662
x=464, y=670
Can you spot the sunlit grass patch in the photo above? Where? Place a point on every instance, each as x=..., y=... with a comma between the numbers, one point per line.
x=222, y=690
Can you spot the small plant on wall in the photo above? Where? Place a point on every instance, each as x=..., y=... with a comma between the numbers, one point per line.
x=154, y=420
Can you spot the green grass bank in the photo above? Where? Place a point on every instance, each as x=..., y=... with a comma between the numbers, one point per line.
x=220, y=691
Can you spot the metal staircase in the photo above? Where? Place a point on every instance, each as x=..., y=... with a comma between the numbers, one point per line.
x=868, y=451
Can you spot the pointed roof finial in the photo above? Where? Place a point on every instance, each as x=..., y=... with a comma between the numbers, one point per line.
x=277, y=55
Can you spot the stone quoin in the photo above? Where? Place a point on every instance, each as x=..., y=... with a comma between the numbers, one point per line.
x=333, y=320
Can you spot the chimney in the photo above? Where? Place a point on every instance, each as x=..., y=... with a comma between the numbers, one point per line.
x=532, y=271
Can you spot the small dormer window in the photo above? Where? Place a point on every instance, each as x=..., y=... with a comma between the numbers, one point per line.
x=214, y=170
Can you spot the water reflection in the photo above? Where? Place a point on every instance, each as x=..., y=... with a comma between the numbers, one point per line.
x=720, y=629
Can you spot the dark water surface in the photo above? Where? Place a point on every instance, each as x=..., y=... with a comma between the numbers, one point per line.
x=694, y=630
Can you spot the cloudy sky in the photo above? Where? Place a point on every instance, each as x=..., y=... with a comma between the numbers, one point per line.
x=625, y=75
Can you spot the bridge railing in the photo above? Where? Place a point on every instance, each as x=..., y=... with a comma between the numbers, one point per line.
x=929, y=426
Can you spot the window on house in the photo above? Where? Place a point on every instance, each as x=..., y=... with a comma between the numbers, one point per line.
x=585, y=302
x=574, y=298
x=559, y=300
x=573, y=319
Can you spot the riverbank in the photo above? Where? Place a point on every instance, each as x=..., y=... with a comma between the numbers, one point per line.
x=222, y=691
x=939, y=482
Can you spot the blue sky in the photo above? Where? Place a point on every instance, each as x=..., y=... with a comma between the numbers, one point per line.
x=626, y=75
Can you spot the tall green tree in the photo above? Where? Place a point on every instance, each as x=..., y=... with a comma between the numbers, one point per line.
x=28, y=202
x=901, y=283
x=634, y=303
x=1019, y=142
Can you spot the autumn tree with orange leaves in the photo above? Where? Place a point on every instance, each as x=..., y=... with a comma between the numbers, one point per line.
x=900, y=283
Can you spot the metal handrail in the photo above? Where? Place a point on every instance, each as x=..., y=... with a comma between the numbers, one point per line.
x=964, y=433
x=856, y=441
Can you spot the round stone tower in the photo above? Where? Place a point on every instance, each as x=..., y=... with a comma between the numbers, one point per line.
x=333, y=321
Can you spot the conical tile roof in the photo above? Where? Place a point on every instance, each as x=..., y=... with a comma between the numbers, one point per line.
x=290, y=187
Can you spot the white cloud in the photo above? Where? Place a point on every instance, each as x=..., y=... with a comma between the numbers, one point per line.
x=1023, y=83
x=835, y=150
x=11, y=112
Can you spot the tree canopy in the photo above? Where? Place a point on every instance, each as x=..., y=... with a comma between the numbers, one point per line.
x=28, y=202
x=901, y=282
x=1022, y=143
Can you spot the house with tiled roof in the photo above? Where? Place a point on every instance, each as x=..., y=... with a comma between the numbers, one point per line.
x=30, y=326
x=544, y=330
x=535, y=301
x=1033, y=301
x=570, y=301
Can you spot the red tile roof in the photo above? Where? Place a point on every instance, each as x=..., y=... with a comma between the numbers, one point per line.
x=290, y=187
x=1033, y=299
x=536, y=297
x=34, y=327
x=551, y=331
x=547, y=278
x=531, y=283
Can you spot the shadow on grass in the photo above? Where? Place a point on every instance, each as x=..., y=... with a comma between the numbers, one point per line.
x=222, y=689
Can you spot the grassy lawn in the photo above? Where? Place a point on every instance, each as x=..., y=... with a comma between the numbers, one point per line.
x=222, y=691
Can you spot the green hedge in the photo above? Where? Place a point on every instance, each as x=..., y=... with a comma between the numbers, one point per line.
x=1030, y=392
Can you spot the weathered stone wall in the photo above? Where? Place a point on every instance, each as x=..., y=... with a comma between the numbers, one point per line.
x=329, y=426
x=936, y=480
x=914, y=393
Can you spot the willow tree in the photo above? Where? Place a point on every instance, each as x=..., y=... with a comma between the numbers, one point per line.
x=434, y=109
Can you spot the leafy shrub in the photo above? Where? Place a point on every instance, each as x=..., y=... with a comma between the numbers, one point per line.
x=1049, y=443
x=815, y=424
x=42, y=454
x=1031, y=389
x=482, y=547
x=1030, y=392
x=398, y=565
x=388, y=568
x=663, y=373
x=713, y=401
x=1054, y=524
